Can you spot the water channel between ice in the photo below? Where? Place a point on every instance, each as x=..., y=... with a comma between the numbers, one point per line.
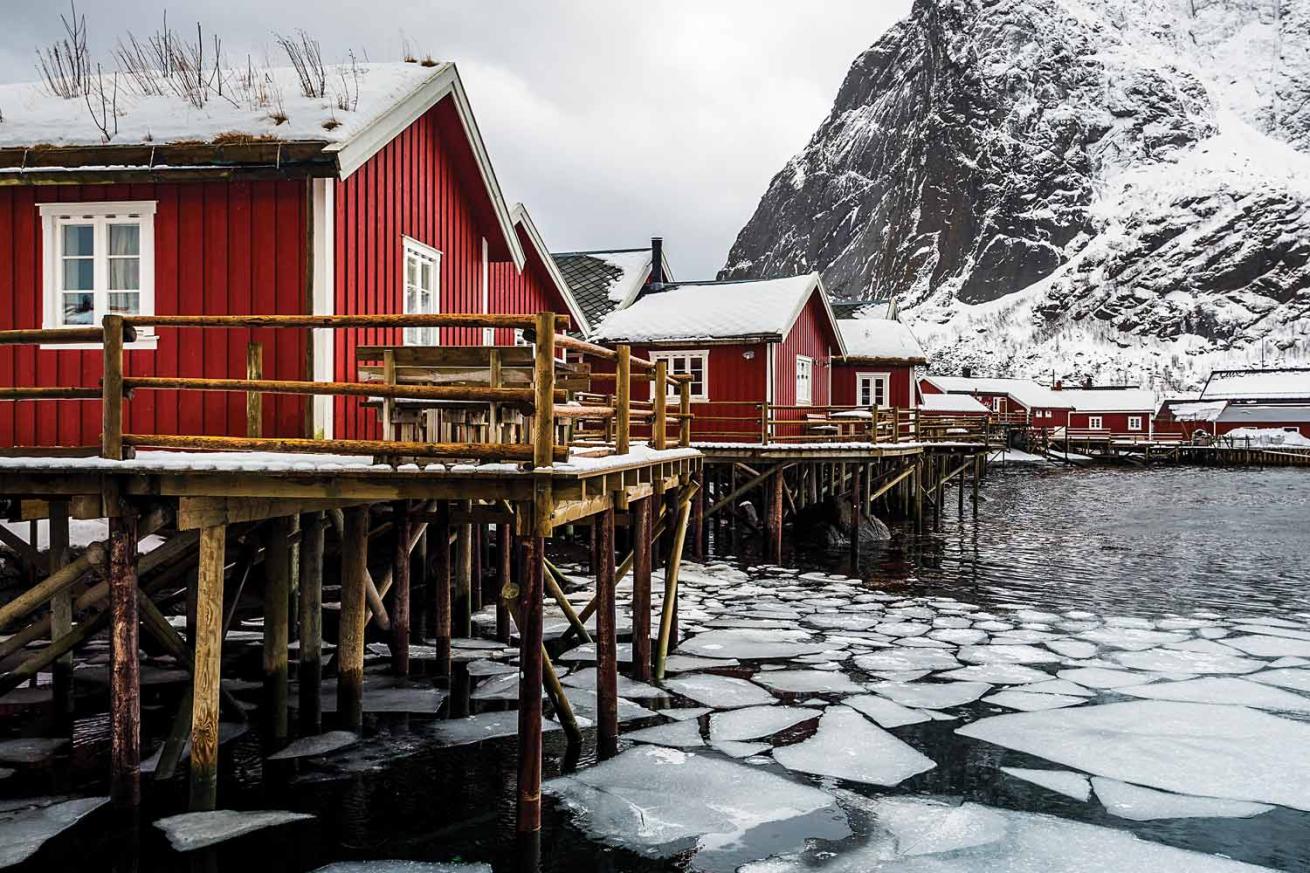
x=1107, y=670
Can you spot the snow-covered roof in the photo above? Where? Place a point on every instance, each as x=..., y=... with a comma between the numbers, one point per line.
x=962, y=404
x=858, y=309
x=603, y=281
x=1281, y=384
x=881, y=339
x=1264, y=413
x=268, y=123
x=1110, y=399
x=528, y=230
x=1196, y=410
x=709, y=311
x=1024, y=391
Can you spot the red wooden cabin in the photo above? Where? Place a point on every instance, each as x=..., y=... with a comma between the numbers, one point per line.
x=878, y=367
x=1020, y=402
x=389, y=206
x=744, y=344
x=1112, y=413
x=538, y=287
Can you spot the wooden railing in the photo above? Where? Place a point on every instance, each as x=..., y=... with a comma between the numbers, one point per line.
x=549, y=397
x=761, y=423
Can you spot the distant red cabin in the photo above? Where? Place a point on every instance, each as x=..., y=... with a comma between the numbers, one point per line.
x=878, y=367
x=1020, y=402
x=1112, y=413
x=394, y=209
x=744, y=344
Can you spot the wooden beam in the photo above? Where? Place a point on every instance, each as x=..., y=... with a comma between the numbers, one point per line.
x=208, y=666
x=607, y=664
x=400, y=590
x=61, y=612
x=277, y=536
x=439, y=547
x=350, y=636
x=309, y=666
x=528, y=817
x=194, y=513
x=125, y=670
x=669, y=608
x=641, y=573
x=111, y=386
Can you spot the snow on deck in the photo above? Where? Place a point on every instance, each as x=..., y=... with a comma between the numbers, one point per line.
x=156, y=461
x=880, y=338
x=710, y=311
x=34, y=116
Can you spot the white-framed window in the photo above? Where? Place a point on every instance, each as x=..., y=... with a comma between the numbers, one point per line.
x=804, y=380
x=99, y=258
x=1094, y=422
x=422, y=290
x=996, y=404
x=873, y=389
x=695, y=364
x=1134, y=422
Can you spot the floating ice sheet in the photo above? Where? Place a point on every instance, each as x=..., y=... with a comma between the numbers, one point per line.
x=1265, y=646
x=630, y=688
x=1188, y=748
x=808, y=682
x=483, y=726
x=848, y=746
x=742, y=643
x=887, y=713
x=1284, y=677
x=195, y=830
x=903, y=659
x=756, y=722
x=312, y=746
x=720, y=692
x=25, y=825
x=1006, y=654
x=1101, y=677
x=1065, y=782
x=403, y=867
x=661, y=802
x=996, y=674
x=1223, y=689
x=1026, y=701
x=1180, y=661
x=932, y=695
x=677, y=734
x=1146, y=804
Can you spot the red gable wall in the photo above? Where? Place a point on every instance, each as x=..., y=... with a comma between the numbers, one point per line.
x=220, y=248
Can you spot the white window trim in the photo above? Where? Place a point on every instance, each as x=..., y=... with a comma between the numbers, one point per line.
x=875, y=376
x=1095, y=422
x=809, y=382
x=488, y=333
x=703, y=354
x=1134, y=422
x=143, y=212
x=409, y=247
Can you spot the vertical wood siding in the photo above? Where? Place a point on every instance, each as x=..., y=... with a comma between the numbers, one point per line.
x=525, y=291
x=220, y=248
x=900, y=387
x=416, y=186
x=811, y=336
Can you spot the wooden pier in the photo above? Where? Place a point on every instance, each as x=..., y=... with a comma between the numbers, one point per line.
x=475, y=445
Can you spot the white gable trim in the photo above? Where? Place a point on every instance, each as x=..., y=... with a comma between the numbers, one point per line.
x=521, y=217
x=817, y=284
x=324, y=301
x=353, y=153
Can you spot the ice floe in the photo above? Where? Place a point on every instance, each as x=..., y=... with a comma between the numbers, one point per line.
x=932, y=695
x=756, y=722
x=195, y=830
x=1146, y=804
x=848, y=746
x=26, y=825
x=720, y=692
x=1066, y=782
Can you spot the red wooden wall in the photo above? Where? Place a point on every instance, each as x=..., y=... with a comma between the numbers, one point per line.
x=812, y=335
x=900, y=387
x=1116, y=422
x=527, y=291
x=220, y=248
x=419, y=186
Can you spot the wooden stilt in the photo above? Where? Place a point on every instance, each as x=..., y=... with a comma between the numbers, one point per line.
x=641, y=568
x=277, y=600
x=310, y=666
x=61, y=613
x=668, y=638
x=125, y=673
x=504, y=564
x=607, y=665
x=960, y=482
x=698, y=518
x=400, y=589
x=350, y=634
x=462, y=605
x=439, y=545
x=208, y=666
x=775, y=517
x=475, y=572
x=857, y=517
x=530, y=677
x=977, y=474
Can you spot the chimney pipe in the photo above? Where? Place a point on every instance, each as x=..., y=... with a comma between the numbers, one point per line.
x=967, y=372
x=657, y=262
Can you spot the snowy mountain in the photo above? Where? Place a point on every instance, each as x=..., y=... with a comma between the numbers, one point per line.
x=1117, y=189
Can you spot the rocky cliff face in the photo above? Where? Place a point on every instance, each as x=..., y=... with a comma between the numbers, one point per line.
x=1106, y=188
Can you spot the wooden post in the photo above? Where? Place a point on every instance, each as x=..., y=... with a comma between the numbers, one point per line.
x=61, y=613
x=641, y=570
x=543, y=441
x=977, y=464
x=504, y=576
x=254, y=400
x=463, y=607
x=698, y=517
x=389, y=403
x=111, y=388
x=310, y=666
x=493, y=381
x=857, y=494
x=668, y=638
x=125, y=674
x=775, y=516
x=439, y=544
x=917, y=489
x=623, y=401
x=764, y=423
x=400, y=589
x=277, y=602
x=659, y=430
x=607, y=664
x=960, y=476
x=208, y=667
x=528, y=828
x=684, y=413
x=350, y=634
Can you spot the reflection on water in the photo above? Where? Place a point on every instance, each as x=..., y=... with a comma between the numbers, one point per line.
x=1137, y=541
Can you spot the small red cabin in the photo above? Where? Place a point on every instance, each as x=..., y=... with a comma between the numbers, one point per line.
x=744, y=344
x=878, y=367
x=1019, y=402
x=1112, y=413
x=388, y=206
x=1259, y=404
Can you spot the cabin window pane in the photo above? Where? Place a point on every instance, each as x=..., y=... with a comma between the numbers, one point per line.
x=98, y=261
x=422, y=292
x=1134, y=422
x=693, y=364
x=804, y=380
x=871, y=390
x=1094, y=422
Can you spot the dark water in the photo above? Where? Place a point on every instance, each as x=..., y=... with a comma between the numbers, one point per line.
x=1136, y=543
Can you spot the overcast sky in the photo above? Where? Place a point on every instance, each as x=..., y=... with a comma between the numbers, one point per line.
x=612, y=120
